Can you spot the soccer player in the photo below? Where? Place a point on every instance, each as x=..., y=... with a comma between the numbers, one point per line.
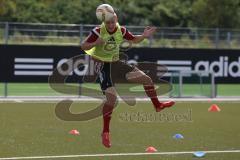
x=110, y=32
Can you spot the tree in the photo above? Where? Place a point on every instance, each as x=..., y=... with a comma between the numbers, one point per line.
x=164, y=13
x=216, y=13
x=7, y=9
x=172, y=13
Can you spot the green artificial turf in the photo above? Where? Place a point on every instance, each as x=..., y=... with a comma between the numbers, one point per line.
x=90, y=89
x=32, y=129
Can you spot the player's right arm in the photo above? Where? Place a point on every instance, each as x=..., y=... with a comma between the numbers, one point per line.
x=92, y=40
x=89, y=45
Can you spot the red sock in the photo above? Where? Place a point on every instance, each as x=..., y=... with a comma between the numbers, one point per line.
x=151, y=93
x=107, y=111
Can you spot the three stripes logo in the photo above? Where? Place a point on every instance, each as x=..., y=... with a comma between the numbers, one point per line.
x=33, y=66
x=111, y=44
x=174, y=65
x=111, y=40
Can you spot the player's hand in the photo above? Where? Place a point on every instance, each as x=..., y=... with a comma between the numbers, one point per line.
x=99, y=41
x=149, y=31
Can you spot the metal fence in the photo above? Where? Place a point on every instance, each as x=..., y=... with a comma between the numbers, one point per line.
x=74, y=34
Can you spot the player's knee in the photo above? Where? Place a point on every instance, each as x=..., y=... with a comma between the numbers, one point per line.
x=147, y=80
x=111, y=97
x=111, y=101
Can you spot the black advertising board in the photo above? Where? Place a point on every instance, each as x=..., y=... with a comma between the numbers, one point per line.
x=26, y=63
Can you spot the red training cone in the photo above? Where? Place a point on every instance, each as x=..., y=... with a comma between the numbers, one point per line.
x=151, y=149
x=74, y=132
x=214, y=108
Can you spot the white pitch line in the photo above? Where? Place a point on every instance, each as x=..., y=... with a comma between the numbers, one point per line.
x=116, y=154
x=84, y=99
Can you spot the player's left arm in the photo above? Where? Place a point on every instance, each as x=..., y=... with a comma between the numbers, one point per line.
x=148, y=32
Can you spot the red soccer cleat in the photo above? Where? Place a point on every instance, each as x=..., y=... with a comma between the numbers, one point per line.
x=106, y=139
x=163, y=105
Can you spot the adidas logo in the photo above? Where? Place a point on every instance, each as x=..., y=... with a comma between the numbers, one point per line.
x=112, y=39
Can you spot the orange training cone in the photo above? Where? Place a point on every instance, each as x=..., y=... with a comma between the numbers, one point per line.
x=74, y=132
x=151, y=149
x=214, y=108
